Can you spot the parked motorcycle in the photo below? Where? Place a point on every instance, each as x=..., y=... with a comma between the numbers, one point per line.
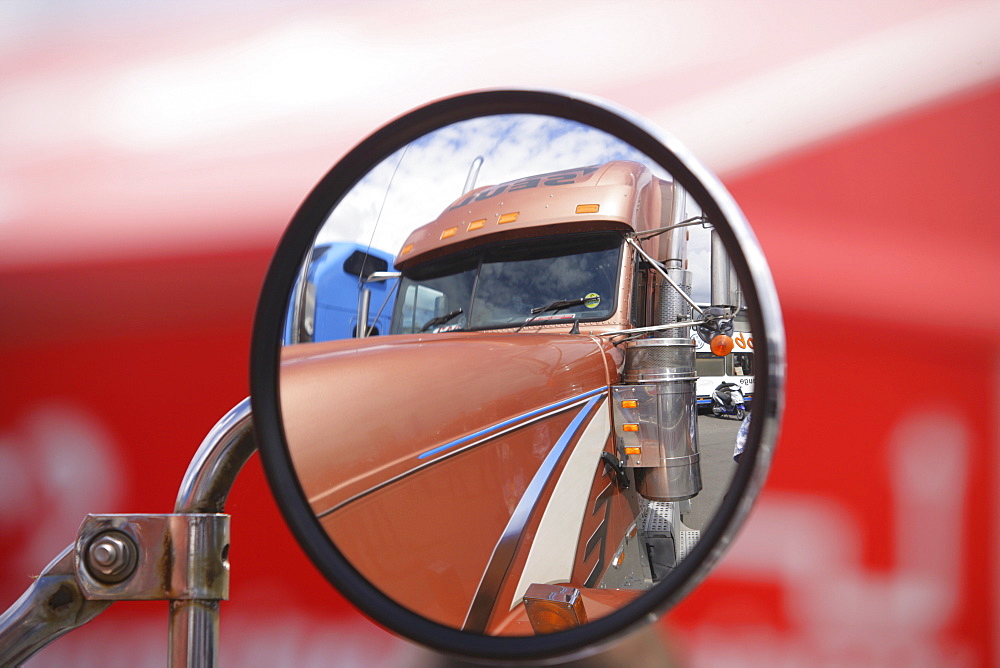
x=727, y=399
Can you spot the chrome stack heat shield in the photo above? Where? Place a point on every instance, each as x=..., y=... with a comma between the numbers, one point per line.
x=656, y=418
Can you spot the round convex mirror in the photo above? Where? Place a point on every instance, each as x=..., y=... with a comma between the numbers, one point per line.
x=516, y=374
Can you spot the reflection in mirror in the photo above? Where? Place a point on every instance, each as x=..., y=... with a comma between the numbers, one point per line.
x=514, y=407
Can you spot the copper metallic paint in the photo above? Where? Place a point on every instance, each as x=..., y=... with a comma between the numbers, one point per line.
x=628, y=194
x=609, y=515
x=407, y=461
x=375, y=494
x=427, y=539
x=384, y=401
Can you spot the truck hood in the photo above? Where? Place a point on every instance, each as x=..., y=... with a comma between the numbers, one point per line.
x=360, y=413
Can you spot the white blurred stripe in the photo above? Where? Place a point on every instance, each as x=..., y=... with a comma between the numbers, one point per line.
x=201, y=130
x=828, y=93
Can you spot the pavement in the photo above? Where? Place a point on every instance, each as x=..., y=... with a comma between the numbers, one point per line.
x=716, y=438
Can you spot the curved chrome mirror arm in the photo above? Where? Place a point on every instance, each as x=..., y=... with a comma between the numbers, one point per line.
x=53, y=605
x=690, y=222
x=221, y=455
x=379, y=276
x=194, y=623
x=374, y=277
x=651, y=328
x=62, y=597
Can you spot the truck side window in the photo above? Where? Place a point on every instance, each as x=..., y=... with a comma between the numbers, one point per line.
x=640, y=281
x=420, y=304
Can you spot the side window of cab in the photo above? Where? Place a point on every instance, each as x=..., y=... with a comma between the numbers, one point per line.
x=420, y=304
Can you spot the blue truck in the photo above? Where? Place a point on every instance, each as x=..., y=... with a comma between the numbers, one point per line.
x=351, y=279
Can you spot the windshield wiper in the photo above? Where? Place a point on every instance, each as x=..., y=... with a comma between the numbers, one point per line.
x=557, y=305
x=441, y=319
x=560, y=304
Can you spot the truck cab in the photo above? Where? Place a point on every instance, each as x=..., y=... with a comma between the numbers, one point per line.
x=535, y=396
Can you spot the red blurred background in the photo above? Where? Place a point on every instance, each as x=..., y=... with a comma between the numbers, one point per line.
x=151, y=156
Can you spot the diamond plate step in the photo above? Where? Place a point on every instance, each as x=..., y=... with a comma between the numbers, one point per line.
x=686, y=542
x=659, y=517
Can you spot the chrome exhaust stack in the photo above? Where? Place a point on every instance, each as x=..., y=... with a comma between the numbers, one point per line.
x=655, y=411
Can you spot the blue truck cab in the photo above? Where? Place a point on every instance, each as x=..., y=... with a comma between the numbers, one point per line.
x=340, y=273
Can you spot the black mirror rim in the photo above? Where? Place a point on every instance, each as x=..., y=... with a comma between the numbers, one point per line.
x=765, y=320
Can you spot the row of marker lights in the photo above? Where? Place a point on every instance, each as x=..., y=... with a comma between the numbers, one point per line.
x=631, y=450
x=508, y=218
x=502, y=220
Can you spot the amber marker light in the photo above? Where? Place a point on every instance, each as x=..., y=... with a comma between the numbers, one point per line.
x=633, y=451
x=476, y=224
x=630, y=427
x=630, y=403
x=554, y=608
x=406, y=249
x=508, y=218
x=588, y=208
x=722, y=345
x=450, y=232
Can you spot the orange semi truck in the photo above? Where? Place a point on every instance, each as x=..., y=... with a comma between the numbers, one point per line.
x=516, y=455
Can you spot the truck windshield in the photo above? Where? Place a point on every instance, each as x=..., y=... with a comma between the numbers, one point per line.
x=500, y=285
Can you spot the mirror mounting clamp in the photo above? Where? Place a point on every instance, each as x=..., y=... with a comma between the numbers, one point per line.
x=181, y=557
x=174, y=557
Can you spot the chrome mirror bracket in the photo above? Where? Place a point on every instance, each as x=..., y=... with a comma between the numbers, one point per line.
x=54, y=604
x=180, y=557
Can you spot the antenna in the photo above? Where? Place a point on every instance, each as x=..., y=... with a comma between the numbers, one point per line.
x=470, y=180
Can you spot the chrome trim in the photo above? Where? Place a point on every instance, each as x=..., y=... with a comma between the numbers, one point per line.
x=496, y=570
x=218, y=461
x=194, y=624
x=557, y=408
x=54, y=604
x=593, y=511
x=561, y=594
x=542, y=597
x=364, y=300
x=66, y=595
x=487, y=430
x=593, y=572
x=379, y=276
x=299, y=297
x=697, y=220
x=652, y=328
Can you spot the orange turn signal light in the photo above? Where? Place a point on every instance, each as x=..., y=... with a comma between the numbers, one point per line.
x=588, y=208
x=406, y=249
x=508, y=218
x=630, y=450
x=450, y=232
x=630, y=427
x=554, y=608
x=630, y=403
x=722, y=345
x=476, y=224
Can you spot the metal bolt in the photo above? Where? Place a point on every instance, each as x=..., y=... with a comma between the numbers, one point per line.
x=111, y=557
